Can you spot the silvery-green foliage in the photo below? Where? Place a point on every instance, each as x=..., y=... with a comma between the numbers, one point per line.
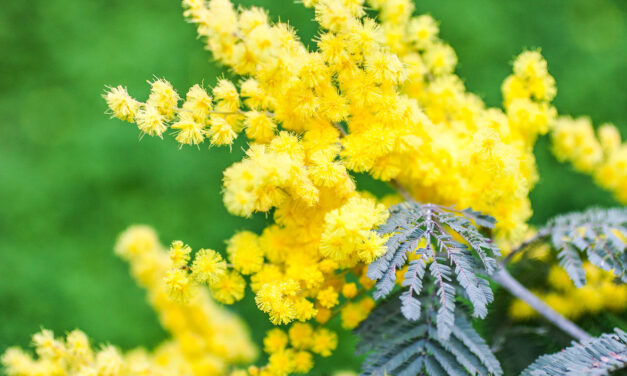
x=428, y=231
x=598, y=356
x=598, y=234
x=400, y=347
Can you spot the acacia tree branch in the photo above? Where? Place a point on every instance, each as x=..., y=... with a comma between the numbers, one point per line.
x=540, y=235
x=503, y=278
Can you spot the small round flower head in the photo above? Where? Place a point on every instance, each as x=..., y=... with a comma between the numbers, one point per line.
x=178, y=285
x=220, y=131
x=229, y=288
x=208, y=266
x=179, y=253
x=324, y=342
x=163, y=97
x=198, y=104
x=227, y=95
x=150, y=121
x=281, y=362
x=275, y=340
x=302, y=361
x=121, y=104
x=259, y=126
x=349, y=290
x=301, y=335
x=328, y=298
x=423, y=30
x=189, y=132
x=245, y=253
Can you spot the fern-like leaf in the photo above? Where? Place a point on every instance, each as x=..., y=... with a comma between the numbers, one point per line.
x=400, y=347
x=458, y=253
x=596, y=233
x=598, y=356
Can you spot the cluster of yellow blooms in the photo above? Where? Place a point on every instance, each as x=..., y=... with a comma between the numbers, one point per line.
x=379, y=98
x=375, y=97
x=206, y=339
x=602, y=155
x=601, y=293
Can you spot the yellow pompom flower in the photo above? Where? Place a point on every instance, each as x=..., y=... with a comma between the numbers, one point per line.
x=178, y=284
x=229, y=288
x=302, y=361
x=208, y=266
x=349, y=290
x=179, y=253
x=245, y=253
x=328, y=298
x=300, y=335
x=324, y=342
x=121, y=104
x=163, y=98
x=150, y=121
x=275, y=340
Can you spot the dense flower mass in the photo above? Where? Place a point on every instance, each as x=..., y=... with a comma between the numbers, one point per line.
x=376, y=96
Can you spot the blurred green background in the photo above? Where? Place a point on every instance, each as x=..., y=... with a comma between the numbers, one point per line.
x=71, y=179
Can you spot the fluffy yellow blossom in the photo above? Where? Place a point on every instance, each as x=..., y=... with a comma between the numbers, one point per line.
x=348, y=235
x=121, y=104
x=245, y=253
x=179, y=254
x=208, y=266
x=302, y=362
x=349, y=290
x=205, y=338
x=300, y=335
x=178, y=284
x=377, y=94
x=324, y=342
x=275, y=340
x=328, y=298
x=229, y=288
x=601, y=292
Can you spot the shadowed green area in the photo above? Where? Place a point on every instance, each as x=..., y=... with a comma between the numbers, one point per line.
x=71, y=179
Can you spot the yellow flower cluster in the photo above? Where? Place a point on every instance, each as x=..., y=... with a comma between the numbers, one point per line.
x=73, y=355
x=200, y=116
x=206, y=339
x=600, y=293
x=210, y=338
x=601, y=154
x=376, y=97
x=292, y=352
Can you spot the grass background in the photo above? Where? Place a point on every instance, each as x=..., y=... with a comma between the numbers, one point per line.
x=71, y=179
